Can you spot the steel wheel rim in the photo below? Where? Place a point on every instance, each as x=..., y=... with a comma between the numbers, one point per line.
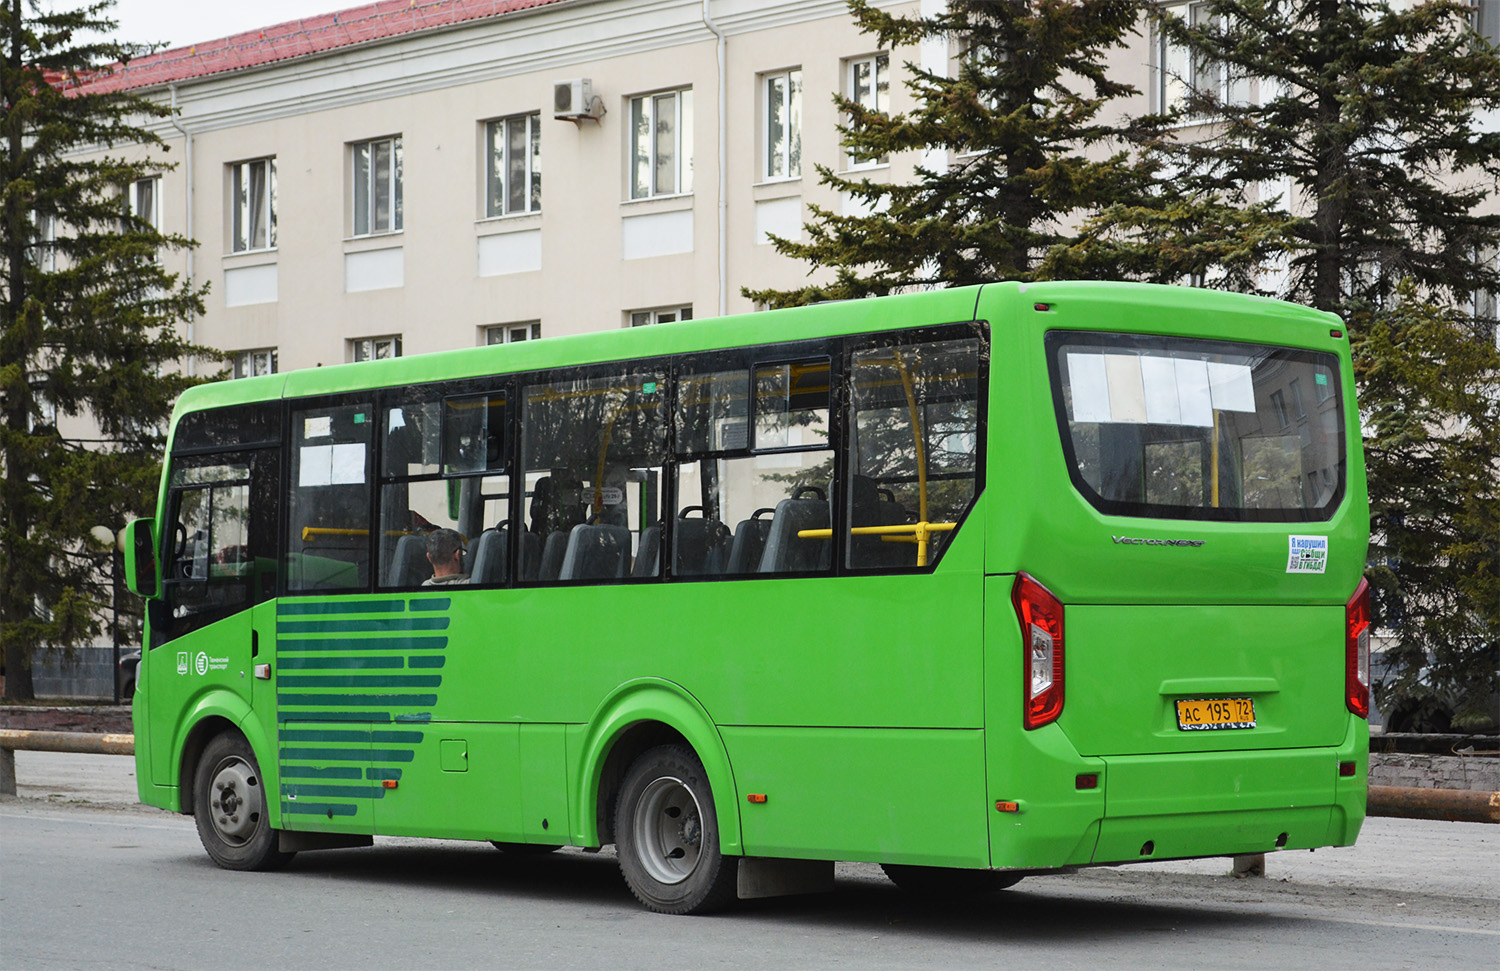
x=668, y=830
x=236, y=801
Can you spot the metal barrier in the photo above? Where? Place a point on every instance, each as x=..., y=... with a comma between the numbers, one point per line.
x=12, y=739
x=1458, y=805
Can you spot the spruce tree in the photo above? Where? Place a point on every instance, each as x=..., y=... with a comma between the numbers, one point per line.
x=1022, y=118
x=1345, y=134
x=87, y=326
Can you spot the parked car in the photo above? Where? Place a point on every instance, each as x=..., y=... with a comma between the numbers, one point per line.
x=1424, y=710
x=130, y=663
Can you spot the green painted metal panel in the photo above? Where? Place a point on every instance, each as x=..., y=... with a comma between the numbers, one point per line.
x=1127, y=666
x=888, y=795
x=544, y=783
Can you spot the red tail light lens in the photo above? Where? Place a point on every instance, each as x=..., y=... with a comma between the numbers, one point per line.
x=1041, y=617
x=1357, y=651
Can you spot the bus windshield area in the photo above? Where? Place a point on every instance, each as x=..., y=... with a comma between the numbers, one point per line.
x=1192, y=429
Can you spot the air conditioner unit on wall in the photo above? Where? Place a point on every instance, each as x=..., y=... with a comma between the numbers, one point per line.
x=575, y=99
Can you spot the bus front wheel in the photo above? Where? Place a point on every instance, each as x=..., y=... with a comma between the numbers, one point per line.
x=229, y=807
x=667, y=835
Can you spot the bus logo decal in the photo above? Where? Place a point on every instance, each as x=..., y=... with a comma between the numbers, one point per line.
x=1152, y=541
x=182, y=662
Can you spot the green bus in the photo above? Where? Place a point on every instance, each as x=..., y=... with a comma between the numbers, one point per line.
x=973, y=583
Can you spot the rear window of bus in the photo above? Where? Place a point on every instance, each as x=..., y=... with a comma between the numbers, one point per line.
x=1173, y=428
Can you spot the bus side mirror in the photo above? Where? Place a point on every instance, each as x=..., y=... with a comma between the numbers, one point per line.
x=140, y=558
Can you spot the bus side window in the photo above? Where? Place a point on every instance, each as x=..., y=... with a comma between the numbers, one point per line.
x=913, y=450
x=593, y=451
x=328, y=512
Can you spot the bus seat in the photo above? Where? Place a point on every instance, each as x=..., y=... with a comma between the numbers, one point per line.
x=553, y=552
x=409, y=567
x=702, y=545
x=870, y=505
x=648, y=554
x=531, y=554
x=596, y=552
x=749, y=543
x=786, y=552
x=489, y=557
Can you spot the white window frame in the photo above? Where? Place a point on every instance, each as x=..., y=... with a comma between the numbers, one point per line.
x=781, y=159
x=145, y=200
x=500, y=164
x=375, y=348
x=644, y=174
x=658, y=315
x=252, y=221
x=526, y=330
x=878, y=99
x=1485, y=304
x=364, y=176
x=255, y=362
x=1177, y=74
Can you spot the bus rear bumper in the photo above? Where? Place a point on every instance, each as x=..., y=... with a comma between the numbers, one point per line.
x=1225, y=803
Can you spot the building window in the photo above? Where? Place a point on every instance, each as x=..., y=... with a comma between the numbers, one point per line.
x=867, y=81
x=658, y=315
x=1483, y=303
x=782, y=94
x=1179, y=74
x=252, y=205
x=1487, y=19
x=513, y=176
x=249, y=364
x=661, y=144
x=376, y=181
x=512, y=333
x=374, y=348
x=145, y=201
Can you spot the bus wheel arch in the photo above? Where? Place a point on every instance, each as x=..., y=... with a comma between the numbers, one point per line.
x=635, y=718
x=203, y=732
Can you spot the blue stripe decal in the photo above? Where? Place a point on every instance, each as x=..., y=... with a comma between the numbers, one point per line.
x=295, y=808
x=382, y=774
x=436, y=604
x=339, y=735
x=413, y=717
x=383, y=701
x=343, y=663
x=360, y=625
x=360, y=680
x=295, y=608
x=299, y=644
x=347, y=754
x=359, y=717
x=346, y=792
x=426, y=661
x=309, y=772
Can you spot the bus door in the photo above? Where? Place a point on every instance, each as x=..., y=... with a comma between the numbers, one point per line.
x=219, y=561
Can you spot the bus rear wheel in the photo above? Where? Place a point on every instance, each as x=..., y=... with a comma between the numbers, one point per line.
x=667, y=835
x=229, y=807
x=947, y=883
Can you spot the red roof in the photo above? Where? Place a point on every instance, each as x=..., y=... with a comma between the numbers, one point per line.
x=297, y=38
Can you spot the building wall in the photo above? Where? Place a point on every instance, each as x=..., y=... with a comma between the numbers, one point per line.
x=585, y=260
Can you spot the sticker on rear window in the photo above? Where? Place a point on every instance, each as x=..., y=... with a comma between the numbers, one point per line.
x=1308, y=554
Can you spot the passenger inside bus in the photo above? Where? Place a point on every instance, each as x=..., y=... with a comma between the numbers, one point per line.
x=445, y=551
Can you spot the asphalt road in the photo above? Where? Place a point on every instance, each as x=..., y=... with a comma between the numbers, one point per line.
x=89, y=881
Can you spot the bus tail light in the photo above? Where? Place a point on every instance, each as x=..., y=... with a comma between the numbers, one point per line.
x=1041, y=617
x=1357, y=650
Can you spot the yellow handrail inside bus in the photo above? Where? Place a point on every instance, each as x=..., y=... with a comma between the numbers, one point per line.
x=890, y=534
x=311, y=532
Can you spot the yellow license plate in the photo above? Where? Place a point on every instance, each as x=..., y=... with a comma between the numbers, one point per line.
x=1201, y=714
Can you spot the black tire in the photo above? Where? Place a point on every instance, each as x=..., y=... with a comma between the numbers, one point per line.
x=229, y=806
x=526, y=849
x=667, y=835
x=947, y=883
